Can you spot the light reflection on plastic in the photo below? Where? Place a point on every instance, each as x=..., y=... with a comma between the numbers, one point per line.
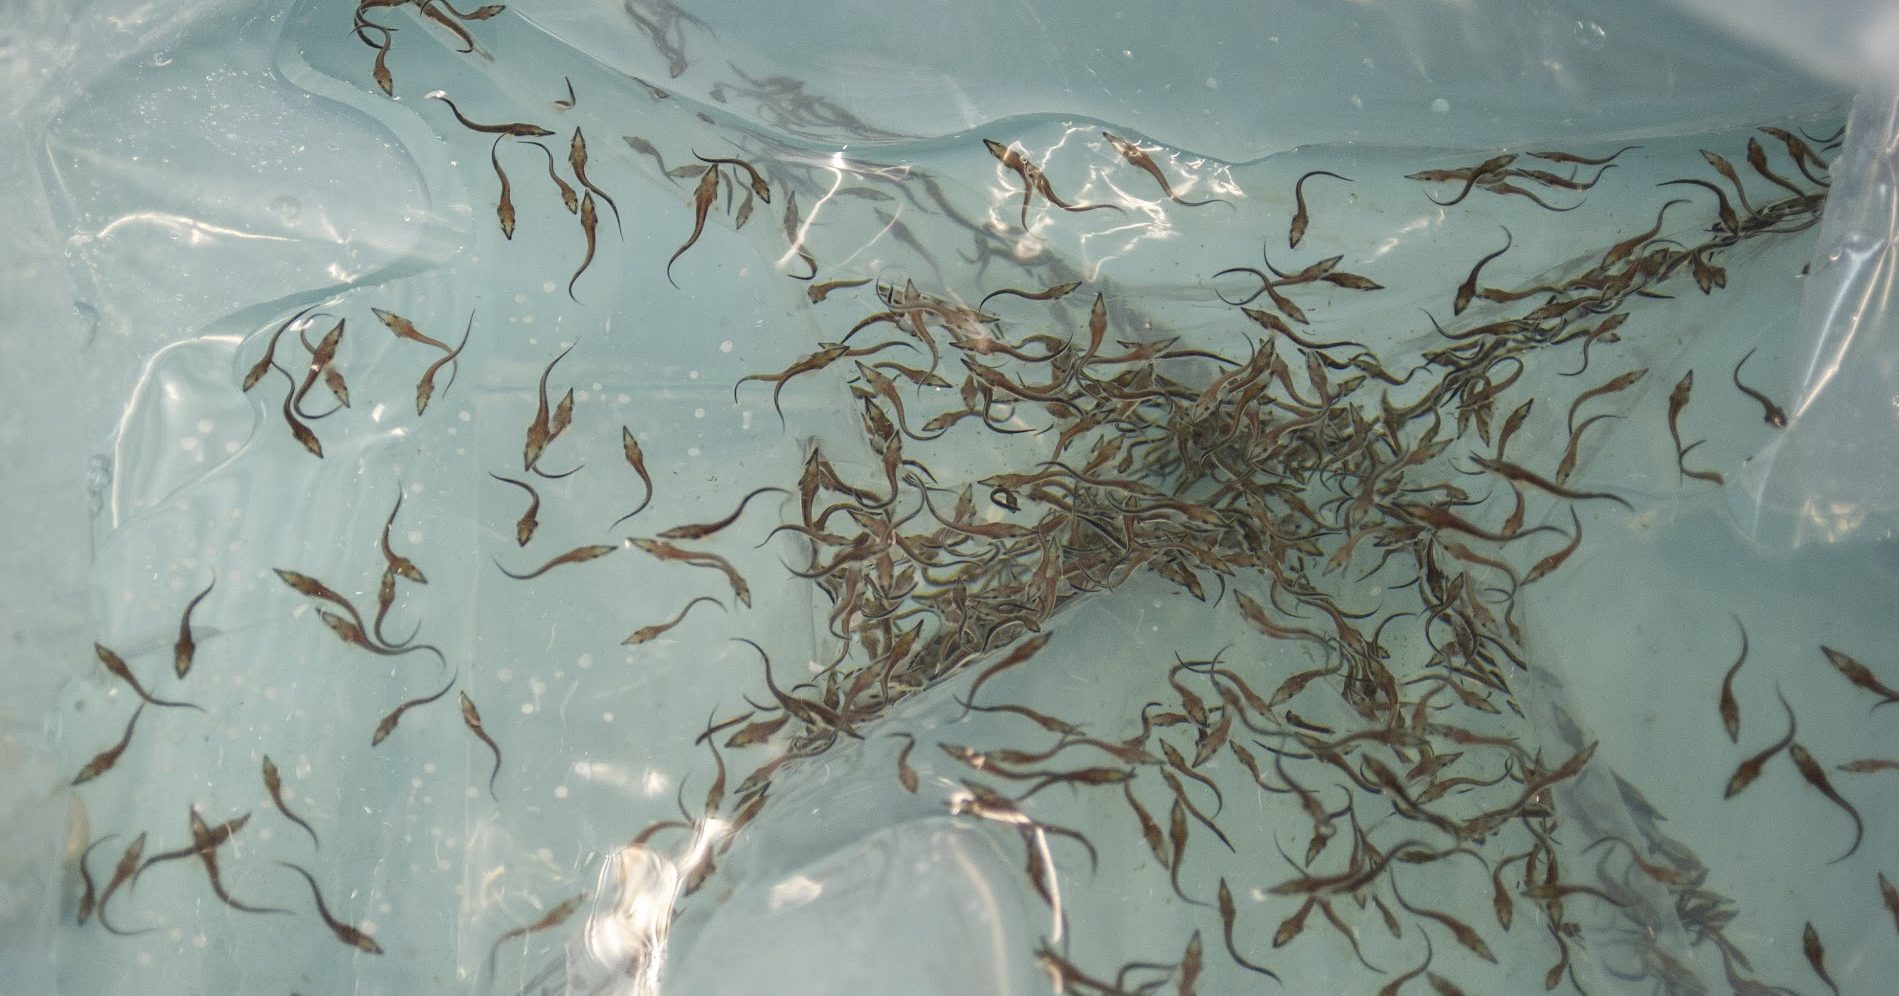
x=196, y=232
x=965, y=803
x=1396, y=239
x=794, y=892
x=1832, y=520
x=639, y=888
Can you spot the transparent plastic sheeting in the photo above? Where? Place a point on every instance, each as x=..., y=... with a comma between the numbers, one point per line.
x=1834, y=477
x=1106, y=636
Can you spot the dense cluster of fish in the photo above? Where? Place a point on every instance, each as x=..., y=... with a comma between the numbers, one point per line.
x=1272, y=482
x=1264, y=473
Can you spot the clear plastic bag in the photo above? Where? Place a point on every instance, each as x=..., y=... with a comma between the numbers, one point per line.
x=223, y=185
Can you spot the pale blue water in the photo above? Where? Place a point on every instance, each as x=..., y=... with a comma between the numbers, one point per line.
x=249, y=169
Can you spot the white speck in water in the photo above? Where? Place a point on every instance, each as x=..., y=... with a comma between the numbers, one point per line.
x=520, y=299
x=581, y=396
x=189, y=443
x=415, y=783
x=527, y=319
x=472, y=794
x=1440, y=106
x=199, y=940
x=416, y=488
x=230, y=446
x=585, y=661
x=606, y=717
x=726, y=346
x=206, y=425
x=1358, y=102
x=1127, y=53
x=429, y=768
x=745, y=419
x=1213, y=84
x=692, y=451
x=625, y=399
x=505, y=674
x=692, y=375
x=145, y=959
x=527, y=708
x=547, y=287
x=560, y=791
x=464, y=416
x=442, y=864
x=1590, y=35
x=696, y=413
x=415, y=535
x=265, y=834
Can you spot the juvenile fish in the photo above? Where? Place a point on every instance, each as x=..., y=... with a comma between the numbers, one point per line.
x=540, y=430
x=577, y=161
x=403, y=566
x=1139, y=158
x=760, y=188
x=186, y=647
x=553, y=918
x=1890, y=896
x=344, y=932
x=1771, y=413
x=121, y=873
x=647, y=633
x=568, y=197
x=352, y=634
x=1861, y=676
x=1750, y=769
x=578, y=555
x=1816, y=956
x=388, y=724
x=119, y=669
x=702, y=198
x=1729, y=708
x=513, y=129
x=504, y=205
x=425, y=388
x=1300, y=218
x=105, y=759
x=1678, y=400
x=273, y=783
x=1054, y=293
x=694, y=558
x=1815, y=776
x=906, y=775
x=636, y=459
x=1227, y=914
x=589, y=222
x=818, y=292
x=471, y=717
x=1468, y=289
x=530, y=519
x=265, y=362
